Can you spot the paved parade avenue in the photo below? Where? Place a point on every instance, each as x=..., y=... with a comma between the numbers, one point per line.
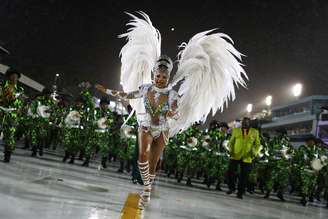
x=46, y=188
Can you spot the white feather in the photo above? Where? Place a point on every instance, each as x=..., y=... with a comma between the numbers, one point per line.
x=138, y=55
x=210, y=67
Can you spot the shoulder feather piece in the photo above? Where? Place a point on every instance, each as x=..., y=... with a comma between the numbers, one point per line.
x=209, y=68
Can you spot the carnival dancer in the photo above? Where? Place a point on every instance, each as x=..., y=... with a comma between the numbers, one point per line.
x=208, y=70
x=11, y=95
x=307, y=163
x=73, y=135
x=41, y=107
x=104, y=118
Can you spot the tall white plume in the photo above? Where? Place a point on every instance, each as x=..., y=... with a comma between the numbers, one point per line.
x=209, y=68
x=139, y=54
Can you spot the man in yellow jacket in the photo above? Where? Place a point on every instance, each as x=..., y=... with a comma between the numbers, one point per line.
x=244, y=145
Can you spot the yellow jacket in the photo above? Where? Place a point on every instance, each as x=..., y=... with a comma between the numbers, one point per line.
x=244, y=148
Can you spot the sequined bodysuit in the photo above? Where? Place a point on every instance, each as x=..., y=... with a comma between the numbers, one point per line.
x=156, y=103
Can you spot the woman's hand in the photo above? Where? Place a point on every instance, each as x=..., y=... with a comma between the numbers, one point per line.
x=113, y=93
x=170, y=114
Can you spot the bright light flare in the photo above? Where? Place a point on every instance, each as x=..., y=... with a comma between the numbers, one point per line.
x=249, y=108
x=268, y=100
x=297, y=89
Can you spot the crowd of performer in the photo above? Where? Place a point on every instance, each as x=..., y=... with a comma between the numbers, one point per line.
x=216, y=155
x=48, y=120
x=257, y=162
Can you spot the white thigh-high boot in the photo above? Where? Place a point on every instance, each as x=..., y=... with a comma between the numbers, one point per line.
x=144, y=172
x=151, y=178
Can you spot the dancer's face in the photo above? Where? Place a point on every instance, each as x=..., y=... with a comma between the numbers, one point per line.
x=246, y=123
x=161, y=78
x=13, y=78
x=224, y=129
x=79, y=104
x=310, y=142
x=104, y=106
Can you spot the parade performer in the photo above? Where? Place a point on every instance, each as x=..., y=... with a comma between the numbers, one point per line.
x=11, y=102
x=73, y=130
x=104, y=120
x=57, y=118
x=244, y=147
x=189, y=160
x=41, y=107
x=217, y=156
x=278, y=165
x=88, y=122
x=208, y=70
x=127, y=144
x=305, y=170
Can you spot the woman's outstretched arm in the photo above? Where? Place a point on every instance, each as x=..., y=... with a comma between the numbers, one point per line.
x=120, y=94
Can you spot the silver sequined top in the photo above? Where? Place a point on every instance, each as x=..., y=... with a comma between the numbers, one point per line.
x=144, y=117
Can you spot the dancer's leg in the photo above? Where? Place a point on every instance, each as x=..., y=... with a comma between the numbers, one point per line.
x=155, y=153
x=145, y=142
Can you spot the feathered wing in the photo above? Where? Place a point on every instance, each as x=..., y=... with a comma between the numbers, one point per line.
x=138, y=55
x=209, y=68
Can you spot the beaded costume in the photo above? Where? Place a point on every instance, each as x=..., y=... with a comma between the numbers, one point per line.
x=208, y=70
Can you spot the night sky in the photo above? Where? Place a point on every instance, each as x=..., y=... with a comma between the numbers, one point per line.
x=284, y=41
